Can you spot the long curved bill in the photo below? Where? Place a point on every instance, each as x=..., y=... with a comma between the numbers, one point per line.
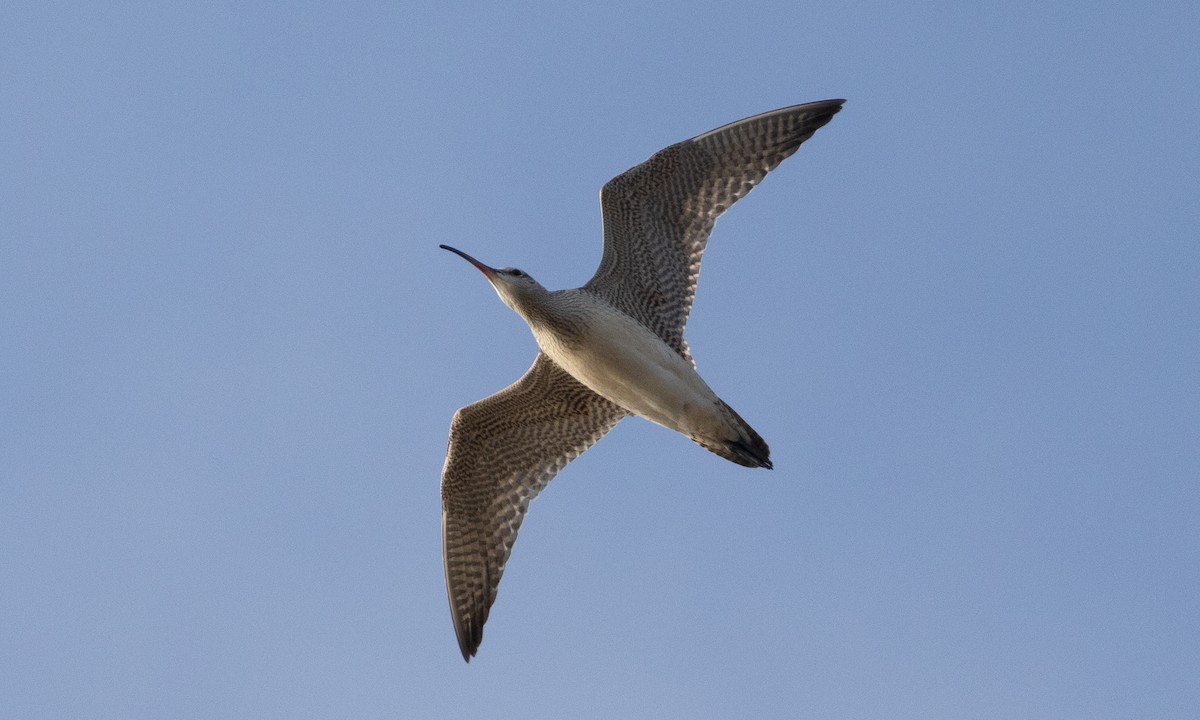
x=488, y=272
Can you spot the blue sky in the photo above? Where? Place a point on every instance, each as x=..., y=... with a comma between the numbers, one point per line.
x=965, y=316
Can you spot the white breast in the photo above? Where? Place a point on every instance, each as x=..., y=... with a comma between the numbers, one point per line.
x=626, y=363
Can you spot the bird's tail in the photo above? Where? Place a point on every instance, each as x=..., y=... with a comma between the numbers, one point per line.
x=744, y=447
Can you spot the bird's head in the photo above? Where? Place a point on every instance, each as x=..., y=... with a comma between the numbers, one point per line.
x=515, y=287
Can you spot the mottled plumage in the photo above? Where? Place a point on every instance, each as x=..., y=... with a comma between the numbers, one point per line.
x=491, y=475
x=609, y=349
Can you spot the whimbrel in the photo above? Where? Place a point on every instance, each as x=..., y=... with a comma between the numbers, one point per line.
x=611, y=348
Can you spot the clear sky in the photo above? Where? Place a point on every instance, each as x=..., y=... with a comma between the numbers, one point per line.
x=965, y=316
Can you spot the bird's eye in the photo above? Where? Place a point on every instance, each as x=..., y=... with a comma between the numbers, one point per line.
x=517, y=273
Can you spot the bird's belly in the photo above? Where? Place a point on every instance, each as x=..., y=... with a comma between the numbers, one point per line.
x=619, y=359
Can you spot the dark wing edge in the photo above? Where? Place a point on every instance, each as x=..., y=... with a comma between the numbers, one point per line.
x=503, y=450
x=658, y=215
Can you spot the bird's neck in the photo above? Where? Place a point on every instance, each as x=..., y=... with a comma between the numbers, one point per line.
x=553, y=312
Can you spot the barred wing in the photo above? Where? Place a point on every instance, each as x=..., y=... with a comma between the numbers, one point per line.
x=503, y=450
x=658, y=215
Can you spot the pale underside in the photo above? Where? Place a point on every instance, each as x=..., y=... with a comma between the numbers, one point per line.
x=657, y=219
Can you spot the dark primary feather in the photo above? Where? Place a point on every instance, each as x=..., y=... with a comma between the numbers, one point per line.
x=503, y=450
x=658, y=215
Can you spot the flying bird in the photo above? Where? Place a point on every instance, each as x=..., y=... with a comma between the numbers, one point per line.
x=609, y=349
